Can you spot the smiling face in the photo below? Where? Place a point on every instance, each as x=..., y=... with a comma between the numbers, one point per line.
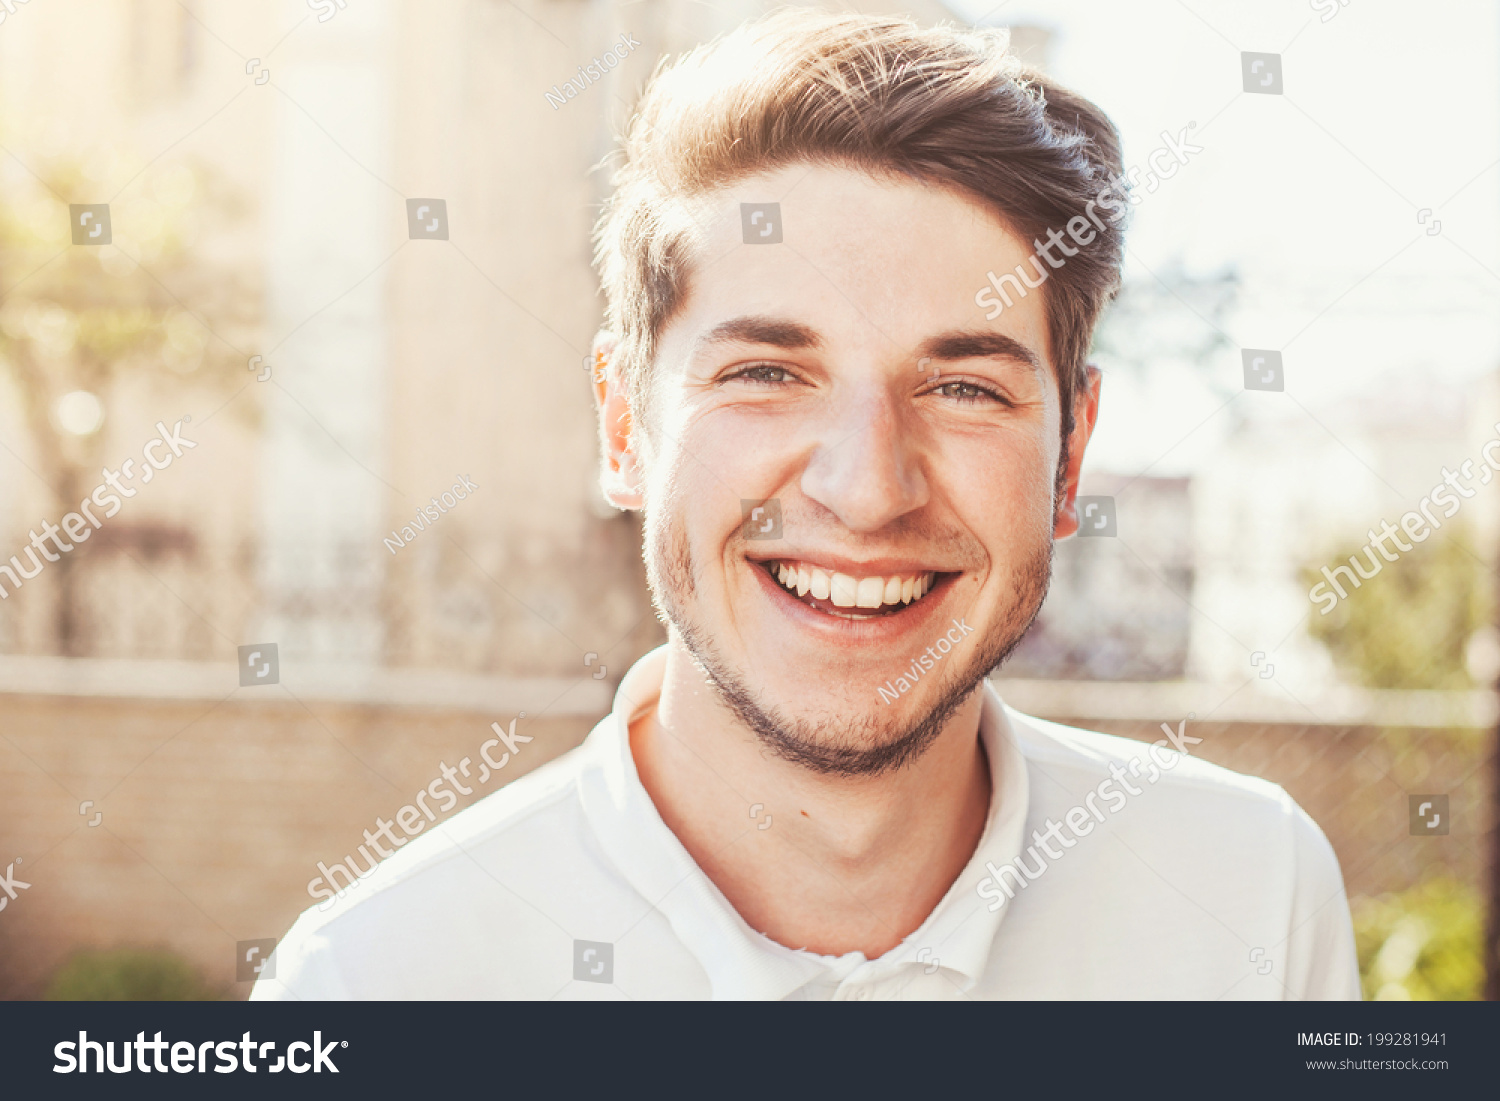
x=912, y=447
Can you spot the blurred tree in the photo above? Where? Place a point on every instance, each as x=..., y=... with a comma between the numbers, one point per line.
x=1423, y=944
x=83, y=327
x=1171, y=314
x=1409, y=626
x=129, y=975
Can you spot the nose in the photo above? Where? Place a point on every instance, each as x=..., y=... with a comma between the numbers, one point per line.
x=867, y=469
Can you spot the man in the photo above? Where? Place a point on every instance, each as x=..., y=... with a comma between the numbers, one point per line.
x=851, y=475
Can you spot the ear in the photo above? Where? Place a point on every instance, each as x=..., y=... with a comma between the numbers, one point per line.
x=619, y=472
x=1085, y=413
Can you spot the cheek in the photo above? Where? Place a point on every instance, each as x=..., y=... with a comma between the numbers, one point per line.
x=693, y=496
x=1004, y=487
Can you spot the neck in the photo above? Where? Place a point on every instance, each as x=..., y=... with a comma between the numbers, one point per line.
x=828, y=863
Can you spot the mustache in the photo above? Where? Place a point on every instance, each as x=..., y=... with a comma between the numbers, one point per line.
x=910, y=536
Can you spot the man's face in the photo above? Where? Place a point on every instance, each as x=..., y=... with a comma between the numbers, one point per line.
x=847, y=375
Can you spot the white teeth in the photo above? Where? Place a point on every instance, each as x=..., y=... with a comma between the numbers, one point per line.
x=844, y=591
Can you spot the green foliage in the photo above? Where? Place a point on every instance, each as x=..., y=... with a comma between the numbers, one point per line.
x=161, y=310
x=128, y=975
x=1410, y=624
x=1424, y=944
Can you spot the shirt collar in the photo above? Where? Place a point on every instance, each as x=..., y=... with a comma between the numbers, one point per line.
x=740, y=962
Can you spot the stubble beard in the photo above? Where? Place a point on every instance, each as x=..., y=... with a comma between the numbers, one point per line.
x=864, y=746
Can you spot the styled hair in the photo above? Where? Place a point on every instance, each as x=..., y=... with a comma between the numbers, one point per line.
x=945, y=106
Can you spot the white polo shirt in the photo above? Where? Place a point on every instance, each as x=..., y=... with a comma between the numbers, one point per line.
x=566, y=883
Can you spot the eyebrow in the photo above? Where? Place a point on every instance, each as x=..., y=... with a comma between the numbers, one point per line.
x=760, y=330
x=956, y=344
x=979, y=344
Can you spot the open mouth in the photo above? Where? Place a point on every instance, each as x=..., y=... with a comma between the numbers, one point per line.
x=848, y=597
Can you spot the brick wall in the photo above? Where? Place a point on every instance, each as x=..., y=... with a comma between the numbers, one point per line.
x=215, y=814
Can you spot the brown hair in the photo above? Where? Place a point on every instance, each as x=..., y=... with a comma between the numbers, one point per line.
x=945, y=106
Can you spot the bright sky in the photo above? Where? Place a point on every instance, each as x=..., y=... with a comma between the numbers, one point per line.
x=1314, y=195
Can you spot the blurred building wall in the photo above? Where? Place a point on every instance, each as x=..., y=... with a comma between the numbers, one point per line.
x=396, y=367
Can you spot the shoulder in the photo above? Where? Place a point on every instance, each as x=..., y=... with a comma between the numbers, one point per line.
x=1203, y=804
x=417, y=923
x=1228, y=864
x=1170, y=762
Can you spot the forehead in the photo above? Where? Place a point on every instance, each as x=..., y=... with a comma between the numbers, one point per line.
x=879, y=264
